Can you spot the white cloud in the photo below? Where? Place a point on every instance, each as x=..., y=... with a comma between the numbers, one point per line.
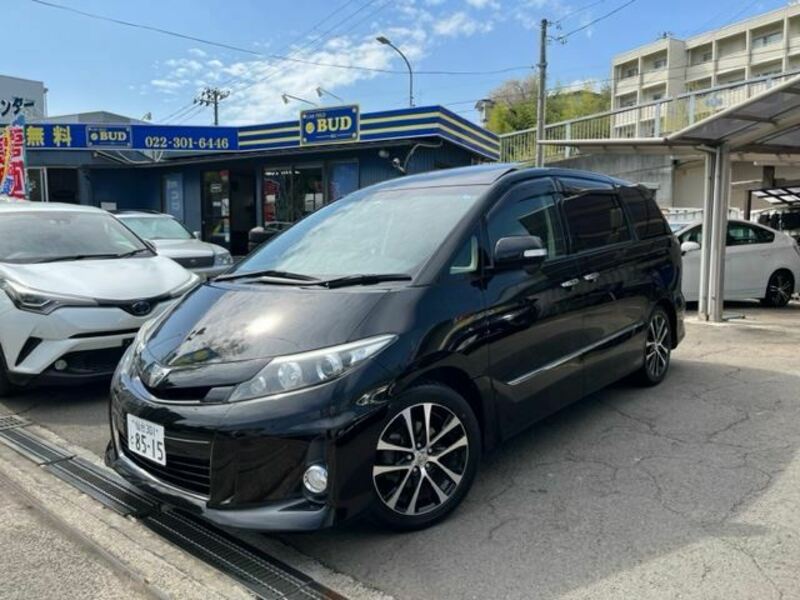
x=197, y=52
x=461, y=24
x=493, y=4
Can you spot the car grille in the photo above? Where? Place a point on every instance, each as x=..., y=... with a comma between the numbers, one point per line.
x=188, y=463
x=92, y=362
x=195, y=262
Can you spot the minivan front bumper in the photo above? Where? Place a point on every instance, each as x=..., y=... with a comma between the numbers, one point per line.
x=242, y=464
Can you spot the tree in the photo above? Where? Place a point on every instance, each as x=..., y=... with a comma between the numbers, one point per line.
x=515, y=104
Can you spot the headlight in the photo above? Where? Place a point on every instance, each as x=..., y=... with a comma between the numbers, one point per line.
x=185, y=286
x=223, y=259
x=37, y=301
x=297, y=371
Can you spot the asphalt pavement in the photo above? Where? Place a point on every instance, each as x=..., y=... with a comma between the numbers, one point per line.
x=685, y=490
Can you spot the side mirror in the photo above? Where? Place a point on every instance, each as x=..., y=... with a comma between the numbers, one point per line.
x=689, y=247
x=519, y=250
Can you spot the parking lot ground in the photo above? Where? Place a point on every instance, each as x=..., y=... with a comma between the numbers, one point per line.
x=686, y=490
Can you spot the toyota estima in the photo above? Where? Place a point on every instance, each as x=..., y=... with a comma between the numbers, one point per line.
x=75, y=286
x=365, y=358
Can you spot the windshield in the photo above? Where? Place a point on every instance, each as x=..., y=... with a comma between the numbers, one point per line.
x=157, y=228
x=368, y=232
x=41, y=236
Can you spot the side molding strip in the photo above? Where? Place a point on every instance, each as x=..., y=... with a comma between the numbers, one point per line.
x=577, y=354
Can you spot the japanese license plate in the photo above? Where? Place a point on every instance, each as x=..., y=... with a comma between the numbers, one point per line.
x=146, y=439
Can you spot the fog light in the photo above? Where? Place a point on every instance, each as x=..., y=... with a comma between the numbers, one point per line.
x=60, y=365
x=316, y=479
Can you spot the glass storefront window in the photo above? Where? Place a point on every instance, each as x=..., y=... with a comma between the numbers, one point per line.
x=36, y=185
x=291, y=193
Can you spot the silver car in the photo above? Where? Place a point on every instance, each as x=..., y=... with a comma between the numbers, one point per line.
x=173, y=240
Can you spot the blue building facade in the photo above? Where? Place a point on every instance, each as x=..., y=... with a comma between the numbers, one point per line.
x=223, y=181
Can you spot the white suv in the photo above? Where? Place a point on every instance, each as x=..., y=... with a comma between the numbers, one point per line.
x=75, y=286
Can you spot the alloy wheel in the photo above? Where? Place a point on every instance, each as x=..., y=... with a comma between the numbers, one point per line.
x=421, y=459
x=779, y=289
x=657, y=347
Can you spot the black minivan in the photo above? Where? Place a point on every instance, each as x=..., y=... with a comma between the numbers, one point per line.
x=363, y=360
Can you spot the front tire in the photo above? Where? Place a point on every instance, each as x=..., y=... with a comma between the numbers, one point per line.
x=779, y=290
x=426, y=457
x=657, y=349
x=6, y=387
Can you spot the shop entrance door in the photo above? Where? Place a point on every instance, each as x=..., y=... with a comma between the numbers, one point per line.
x=243, y=210
x=229, y=208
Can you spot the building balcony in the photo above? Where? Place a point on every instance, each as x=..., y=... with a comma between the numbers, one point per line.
x=655, y=77
x=626, y=86
x=702, y=70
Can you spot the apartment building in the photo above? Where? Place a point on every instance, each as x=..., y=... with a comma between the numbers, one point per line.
x=761, y=46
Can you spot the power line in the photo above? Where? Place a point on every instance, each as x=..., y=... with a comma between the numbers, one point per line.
x=241, y=77
x=226, y=46
x=572, y=13
x=563, y=38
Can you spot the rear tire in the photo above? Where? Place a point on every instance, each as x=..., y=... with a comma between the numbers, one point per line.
x=779, y=290
x=657, y=349
x=426, y=457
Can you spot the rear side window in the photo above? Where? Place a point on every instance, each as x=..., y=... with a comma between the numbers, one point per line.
x=595, y=219
x=742, y=234
x=646, y=217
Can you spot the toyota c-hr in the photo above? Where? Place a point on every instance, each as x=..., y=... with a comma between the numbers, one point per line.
x=365, y=358
x=75, y=286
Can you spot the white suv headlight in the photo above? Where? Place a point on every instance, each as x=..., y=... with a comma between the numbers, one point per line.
x=307, y=369
x=37, y=301
x=223, y=259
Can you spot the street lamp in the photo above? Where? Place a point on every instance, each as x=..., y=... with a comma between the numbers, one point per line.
x=321, y=91
x=386, y=42
x=286, y=97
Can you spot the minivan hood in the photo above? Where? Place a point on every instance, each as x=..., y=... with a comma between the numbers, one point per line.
x=226, y=322
x=108, y=279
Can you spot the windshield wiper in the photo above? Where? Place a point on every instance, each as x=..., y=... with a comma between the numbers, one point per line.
x=81, y=257
x=267, y=273
x=132, y=253
x=368, y=279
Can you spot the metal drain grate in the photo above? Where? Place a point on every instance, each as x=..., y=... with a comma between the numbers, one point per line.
x=113, y=492
x=32, y=446
x=12, y=421
x=268, y=577
x=259, y=572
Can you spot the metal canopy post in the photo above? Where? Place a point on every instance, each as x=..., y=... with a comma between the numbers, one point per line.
x=716, y=281
x=705, y=250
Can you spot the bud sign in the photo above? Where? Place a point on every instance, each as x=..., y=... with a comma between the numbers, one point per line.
x=329, y=125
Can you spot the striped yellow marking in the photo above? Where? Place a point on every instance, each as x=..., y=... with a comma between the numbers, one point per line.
x=461, y=136
x=476, y=132
x=294, y=138
x=426, y=115
x=293, y=129
x=396, y=128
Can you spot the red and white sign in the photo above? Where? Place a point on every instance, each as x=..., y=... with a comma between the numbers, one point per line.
x=12, y=160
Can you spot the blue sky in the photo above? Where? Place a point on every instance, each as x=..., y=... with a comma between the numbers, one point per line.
x=89, y=64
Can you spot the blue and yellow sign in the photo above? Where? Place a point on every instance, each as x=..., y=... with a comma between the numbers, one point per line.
x=108, y=136
x=337, y=124
x=75, y=136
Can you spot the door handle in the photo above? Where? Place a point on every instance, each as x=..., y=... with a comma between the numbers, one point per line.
x=591, y=276
x=570, y=283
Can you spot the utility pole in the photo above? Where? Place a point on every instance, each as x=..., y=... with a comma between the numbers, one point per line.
x=540, y=105
x=212, y=97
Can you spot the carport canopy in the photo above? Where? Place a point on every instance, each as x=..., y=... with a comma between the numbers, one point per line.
x=764, y=128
